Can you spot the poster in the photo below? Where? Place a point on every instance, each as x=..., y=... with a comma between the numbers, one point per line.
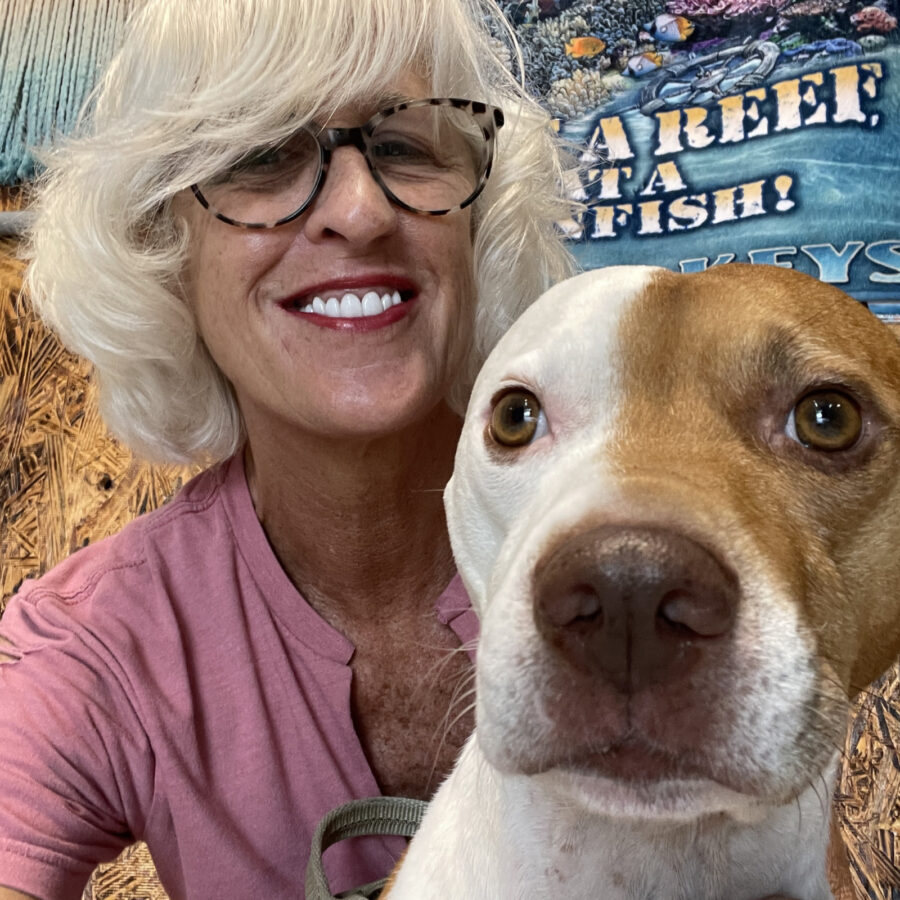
x=763, y=131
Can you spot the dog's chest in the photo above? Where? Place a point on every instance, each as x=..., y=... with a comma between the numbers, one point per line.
x=632, y=864
x=492, y=837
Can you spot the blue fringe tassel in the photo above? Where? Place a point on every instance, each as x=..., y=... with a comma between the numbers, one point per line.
x=51, y=54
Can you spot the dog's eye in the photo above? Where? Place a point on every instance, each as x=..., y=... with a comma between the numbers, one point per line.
x=516, y=418
x=826, y=420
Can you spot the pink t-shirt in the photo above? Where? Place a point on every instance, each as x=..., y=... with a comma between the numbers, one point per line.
x=169, y=684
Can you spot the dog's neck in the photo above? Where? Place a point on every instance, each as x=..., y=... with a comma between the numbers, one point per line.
x=535, y=844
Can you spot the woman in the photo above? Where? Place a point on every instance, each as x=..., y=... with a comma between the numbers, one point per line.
x=264, y=285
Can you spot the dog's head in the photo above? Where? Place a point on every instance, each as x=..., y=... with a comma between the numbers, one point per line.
x=676, y=507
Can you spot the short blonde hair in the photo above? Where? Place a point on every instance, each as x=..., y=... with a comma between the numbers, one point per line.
x=194, y=87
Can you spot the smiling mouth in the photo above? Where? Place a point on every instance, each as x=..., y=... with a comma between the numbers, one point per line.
x=350, y=304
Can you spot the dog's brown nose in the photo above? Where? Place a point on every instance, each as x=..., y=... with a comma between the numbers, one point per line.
x=635, y=606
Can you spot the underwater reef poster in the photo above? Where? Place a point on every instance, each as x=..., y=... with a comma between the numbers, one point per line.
x=712, y=131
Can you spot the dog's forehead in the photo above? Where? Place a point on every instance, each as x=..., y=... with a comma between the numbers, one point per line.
x=645, y=314
x=781, y=323
x=578, y=316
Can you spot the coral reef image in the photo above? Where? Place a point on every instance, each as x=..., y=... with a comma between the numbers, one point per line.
x=726, y=8
x=583, y=54
x=873, y=19
x=581, y=37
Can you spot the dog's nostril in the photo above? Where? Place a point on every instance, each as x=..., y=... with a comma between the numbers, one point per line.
x=579, y=604
x=708, y=617
x=633, y=605
x=593, y=618
x=671, y=612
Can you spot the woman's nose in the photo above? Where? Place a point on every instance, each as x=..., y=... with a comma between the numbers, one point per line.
x=350, y=204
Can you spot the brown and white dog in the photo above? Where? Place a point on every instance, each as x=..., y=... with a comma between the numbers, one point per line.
x=676, y=508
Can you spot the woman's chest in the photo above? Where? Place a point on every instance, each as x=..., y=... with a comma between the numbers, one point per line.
x=412, y=707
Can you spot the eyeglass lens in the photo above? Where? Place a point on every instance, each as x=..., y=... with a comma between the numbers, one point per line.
x=430, y=158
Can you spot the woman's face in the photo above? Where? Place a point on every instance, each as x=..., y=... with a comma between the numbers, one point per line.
x=337, y=377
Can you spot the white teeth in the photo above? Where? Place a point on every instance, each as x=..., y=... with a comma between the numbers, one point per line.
x=371, y=304
x=350, y=306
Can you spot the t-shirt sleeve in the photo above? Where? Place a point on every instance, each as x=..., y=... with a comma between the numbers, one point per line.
x=76, y=769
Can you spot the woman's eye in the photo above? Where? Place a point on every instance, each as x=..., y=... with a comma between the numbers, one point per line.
x=827, y=420
x=517, y=419
x=269, y=156
x=297, y=154
x=402, y=151
x=262, y=160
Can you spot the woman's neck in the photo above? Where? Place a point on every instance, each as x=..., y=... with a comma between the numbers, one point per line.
x=356, y=524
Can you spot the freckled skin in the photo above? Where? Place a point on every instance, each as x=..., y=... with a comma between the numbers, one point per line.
x=409, y=706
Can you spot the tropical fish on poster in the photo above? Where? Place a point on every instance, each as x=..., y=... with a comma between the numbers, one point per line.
x=585, y=47
x=669, y=28
x=643, y=64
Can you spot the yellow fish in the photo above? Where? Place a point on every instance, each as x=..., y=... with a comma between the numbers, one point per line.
x=585, y=47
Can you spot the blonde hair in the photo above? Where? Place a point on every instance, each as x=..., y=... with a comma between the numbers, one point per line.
x=194, y=87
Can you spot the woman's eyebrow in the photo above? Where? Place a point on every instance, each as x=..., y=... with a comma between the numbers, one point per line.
x=370, y=107
x=386, y=100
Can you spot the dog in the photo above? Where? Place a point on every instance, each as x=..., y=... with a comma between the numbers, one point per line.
x=676, y=509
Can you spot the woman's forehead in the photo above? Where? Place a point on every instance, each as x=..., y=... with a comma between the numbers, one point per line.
x=410, y=85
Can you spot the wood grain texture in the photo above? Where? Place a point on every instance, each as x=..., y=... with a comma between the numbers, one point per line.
x=64, y=482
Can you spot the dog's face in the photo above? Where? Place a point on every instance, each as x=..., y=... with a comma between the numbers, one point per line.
x=676, y=507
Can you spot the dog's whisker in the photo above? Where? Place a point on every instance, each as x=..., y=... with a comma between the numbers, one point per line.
x=447, y=727
x=463, y=689
x=800, y=810
x=462, y=697
x=824, y=804
x=867, y=690
x=464, y=711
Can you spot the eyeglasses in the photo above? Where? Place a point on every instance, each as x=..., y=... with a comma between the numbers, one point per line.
x=428, y=156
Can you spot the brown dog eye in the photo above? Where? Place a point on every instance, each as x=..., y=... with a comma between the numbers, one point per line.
x=827, y=420
x=515, y=419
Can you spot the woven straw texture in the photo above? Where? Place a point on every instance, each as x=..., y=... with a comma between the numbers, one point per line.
x=64, y=482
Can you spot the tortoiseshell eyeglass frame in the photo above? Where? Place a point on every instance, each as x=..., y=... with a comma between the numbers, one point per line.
x=488, y=118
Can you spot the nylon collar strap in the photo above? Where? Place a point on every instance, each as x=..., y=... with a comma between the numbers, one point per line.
x=394, y=816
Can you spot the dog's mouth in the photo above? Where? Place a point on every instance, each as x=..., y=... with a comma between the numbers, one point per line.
x=630, y=760
x=634, y=778
x=637, y=777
